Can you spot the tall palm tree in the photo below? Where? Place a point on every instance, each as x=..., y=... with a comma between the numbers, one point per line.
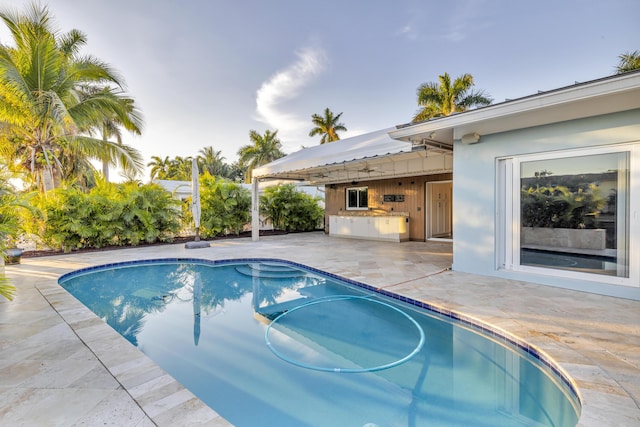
x=327, y=126
x=51, y=96
x=262, y=150
x=628, y=61
x=445, y=97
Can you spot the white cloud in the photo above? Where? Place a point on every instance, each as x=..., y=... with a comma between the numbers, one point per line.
x=286, y=85
x=408, y=31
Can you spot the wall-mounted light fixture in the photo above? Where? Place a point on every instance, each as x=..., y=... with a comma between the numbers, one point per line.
x=470, y=138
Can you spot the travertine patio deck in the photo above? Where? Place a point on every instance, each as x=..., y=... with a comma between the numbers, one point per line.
x=61, y=365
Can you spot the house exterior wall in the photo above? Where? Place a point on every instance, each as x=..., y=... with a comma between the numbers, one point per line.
x=413, y=189
x=475, y=192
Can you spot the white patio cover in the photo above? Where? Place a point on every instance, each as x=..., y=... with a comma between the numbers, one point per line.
x=367, y=146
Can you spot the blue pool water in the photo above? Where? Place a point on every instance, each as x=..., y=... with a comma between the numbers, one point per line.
x=338, y=353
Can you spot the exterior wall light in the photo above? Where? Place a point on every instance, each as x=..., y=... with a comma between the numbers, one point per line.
x=470, y=138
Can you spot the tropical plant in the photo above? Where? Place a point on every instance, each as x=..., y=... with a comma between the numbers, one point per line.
x=212, y=161
x=50, y=98
x=291, y=210
x=8, y=227
x=177, y=169
x=11, y=207
x=131, y=178
x=445, y=97
x=628, y=61
x=7, y=290
x=150, y=214
x=225, y=206
x=262, y=150
x=327, y=126
x=180, y=169
x=9, y=215
x=160, y=168
x=109, y=214
x=110, y=127
x=236, y=172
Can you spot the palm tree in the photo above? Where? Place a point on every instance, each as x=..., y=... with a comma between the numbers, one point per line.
x=50, y=98
x=445, y=98
x=180, y=169
x=110, y=127
x=131, y=178
x=327, y=126
x=628, y=61
x=176, y=169
x=160, y=167
x=264, y=149
x=212, y=161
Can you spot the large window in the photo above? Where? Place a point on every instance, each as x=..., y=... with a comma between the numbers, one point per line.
x=568, y=212
x=357, y=198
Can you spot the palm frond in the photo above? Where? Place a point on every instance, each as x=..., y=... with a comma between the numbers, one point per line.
x=6, y=289
x=71, y=42
x=327, y=126
x=446, y=97
x=628, y=61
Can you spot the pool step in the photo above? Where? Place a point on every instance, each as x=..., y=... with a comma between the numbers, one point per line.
x=271, y=271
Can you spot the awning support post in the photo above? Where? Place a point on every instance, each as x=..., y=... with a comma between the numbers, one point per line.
x=255, y=211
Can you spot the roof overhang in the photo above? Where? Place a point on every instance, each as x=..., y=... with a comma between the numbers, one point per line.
x=362, y=158
x=598, y=97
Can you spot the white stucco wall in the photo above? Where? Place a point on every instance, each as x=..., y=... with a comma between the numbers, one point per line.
x=474, y=190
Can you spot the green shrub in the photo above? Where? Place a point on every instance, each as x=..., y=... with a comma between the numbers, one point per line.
x=149, y=213
x=225, y=206
x=291, y=210
x=110, y=214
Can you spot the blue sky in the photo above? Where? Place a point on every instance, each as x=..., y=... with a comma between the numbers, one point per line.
x=206, y=72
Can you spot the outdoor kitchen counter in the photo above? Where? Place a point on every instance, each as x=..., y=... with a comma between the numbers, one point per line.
x=392, y=227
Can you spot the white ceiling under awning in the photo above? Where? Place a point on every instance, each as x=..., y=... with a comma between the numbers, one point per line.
x=370, y=156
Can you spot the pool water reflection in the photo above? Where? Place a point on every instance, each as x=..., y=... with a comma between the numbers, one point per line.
x=205, y=324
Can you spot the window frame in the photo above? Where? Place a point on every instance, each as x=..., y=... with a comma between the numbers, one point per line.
x=508, y=221
x=358, y=190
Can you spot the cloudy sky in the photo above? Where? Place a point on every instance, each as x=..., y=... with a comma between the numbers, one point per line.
x=206, y=72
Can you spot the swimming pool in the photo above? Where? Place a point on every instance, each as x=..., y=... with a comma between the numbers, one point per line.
x=339, y=353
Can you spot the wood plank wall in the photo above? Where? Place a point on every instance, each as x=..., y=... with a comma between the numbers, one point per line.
x=413, y=189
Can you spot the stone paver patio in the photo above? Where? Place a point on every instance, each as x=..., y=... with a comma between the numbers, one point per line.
x=61, y=365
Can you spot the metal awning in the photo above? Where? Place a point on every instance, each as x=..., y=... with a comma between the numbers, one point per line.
x=370, y=156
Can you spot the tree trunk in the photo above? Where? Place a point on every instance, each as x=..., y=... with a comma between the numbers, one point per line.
x=47, y=180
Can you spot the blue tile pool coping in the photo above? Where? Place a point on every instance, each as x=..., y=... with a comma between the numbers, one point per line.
x=493, y=332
